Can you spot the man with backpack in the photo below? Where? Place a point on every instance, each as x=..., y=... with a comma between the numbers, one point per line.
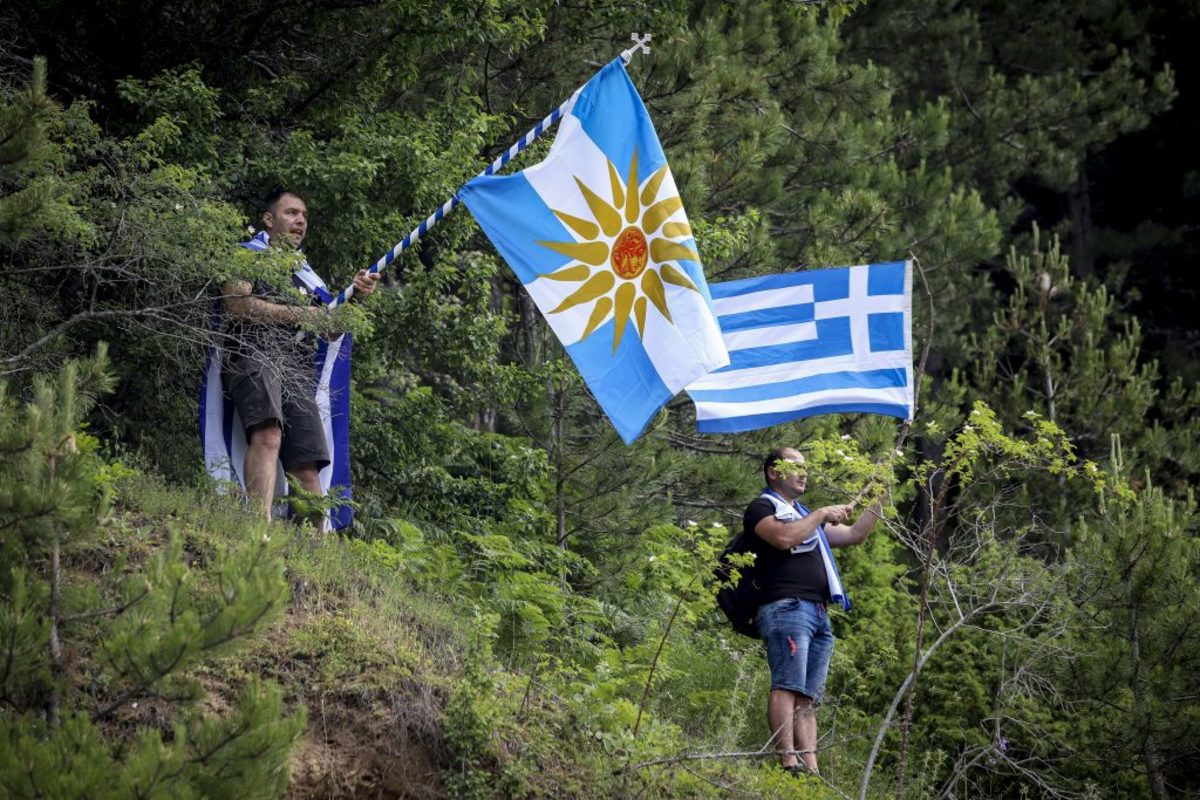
x=796, y=576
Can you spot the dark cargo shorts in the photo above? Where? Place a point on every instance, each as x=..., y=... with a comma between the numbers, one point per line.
x=256, y=391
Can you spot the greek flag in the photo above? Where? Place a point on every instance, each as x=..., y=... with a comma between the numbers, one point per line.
x=824, y=341
x=224, y=438
x=598, y=236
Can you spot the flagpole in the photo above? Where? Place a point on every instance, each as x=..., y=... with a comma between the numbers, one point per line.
x=534, y=133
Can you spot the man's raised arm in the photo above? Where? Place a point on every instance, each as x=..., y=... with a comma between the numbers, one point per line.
x=847, y=535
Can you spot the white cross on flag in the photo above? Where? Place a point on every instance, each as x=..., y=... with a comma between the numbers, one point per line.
x=822, y=341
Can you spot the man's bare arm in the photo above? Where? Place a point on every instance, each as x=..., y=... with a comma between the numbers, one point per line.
x=785, y=535
x=240, y=302
x=847, y=535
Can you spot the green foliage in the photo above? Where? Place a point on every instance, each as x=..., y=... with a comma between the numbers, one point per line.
x=49, y=492
x=1136, y=601
x=190, y=615
x=76, y=652
x=26, y=188
x=471, y=717
x=348, y=656
x=494, y=498
x=243, y=755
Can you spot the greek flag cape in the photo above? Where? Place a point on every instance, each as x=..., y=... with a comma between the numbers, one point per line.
x=598, y=236
x=221, y=431
x=788, y=512
x=822, y=341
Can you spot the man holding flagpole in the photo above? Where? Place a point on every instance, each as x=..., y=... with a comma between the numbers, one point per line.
x=797, y=577
x=281, y=421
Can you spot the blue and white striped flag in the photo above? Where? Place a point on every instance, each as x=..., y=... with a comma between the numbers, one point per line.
x=224, y=438
x=597, y=234
x=823, y=341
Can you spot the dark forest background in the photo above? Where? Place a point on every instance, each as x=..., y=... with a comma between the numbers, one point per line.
x=524, y=606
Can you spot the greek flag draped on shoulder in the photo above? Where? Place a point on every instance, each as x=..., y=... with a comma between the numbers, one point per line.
x=221, y=431
x=598, y=236
x=822, y=341
x=787, y=512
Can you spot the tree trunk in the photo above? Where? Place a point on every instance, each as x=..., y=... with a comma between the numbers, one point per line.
x=1079, y=206
x=528, y=313
x=933, y=530
x=1143, y=721
x=910, y=701
x=56, y=658
x=560, y=476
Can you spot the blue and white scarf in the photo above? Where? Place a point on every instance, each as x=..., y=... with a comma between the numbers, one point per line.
x=223, y=436
x=790, y=512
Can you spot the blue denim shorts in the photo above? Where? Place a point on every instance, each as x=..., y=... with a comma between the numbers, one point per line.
x=799, y=644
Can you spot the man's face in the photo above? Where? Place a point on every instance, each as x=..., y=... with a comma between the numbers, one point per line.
x=289, y=218
x=792, y=479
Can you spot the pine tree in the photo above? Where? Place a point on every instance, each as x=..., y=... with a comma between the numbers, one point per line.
x=25, y=189
x=1134, y=674
x=72, y=656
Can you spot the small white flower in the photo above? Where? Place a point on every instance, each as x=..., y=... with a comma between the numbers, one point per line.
x=133, y=705
x=845, y=437
x=652, y=559
x=250, y=229
x=179, y=207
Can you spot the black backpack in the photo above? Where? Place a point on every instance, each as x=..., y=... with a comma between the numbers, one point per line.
x=739, y=602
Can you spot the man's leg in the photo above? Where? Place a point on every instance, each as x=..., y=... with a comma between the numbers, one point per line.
x=308, y=475
x=818, y=650
x=262, y=456
x=781, y=626
x=253, y=387
x=806, y=731
x=305, y=452
x=781, y=711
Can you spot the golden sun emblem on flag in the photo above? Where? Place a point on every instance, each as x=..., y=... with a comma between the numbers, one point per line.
x=625, y=252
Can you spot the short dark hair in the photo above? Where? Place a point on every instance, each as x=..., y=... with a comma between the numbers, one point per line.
x=272, y=198
x=770, y=459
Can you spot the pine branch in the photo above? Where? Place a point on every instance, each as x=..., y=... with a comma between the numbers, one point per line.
x=108, y=612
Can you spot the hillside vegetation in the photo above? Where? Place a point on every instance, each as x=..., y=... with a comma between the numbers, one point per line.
x=524, y=605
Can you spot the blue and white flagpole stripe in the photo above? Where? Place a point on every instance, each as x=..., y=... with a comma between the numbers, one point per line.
x=812, y=342
x=414, y=236
x=558, y=224
x=532, y=135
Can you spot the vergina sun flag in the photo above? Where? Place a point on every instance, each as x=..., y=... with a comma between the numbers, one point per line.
x=598, y=236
